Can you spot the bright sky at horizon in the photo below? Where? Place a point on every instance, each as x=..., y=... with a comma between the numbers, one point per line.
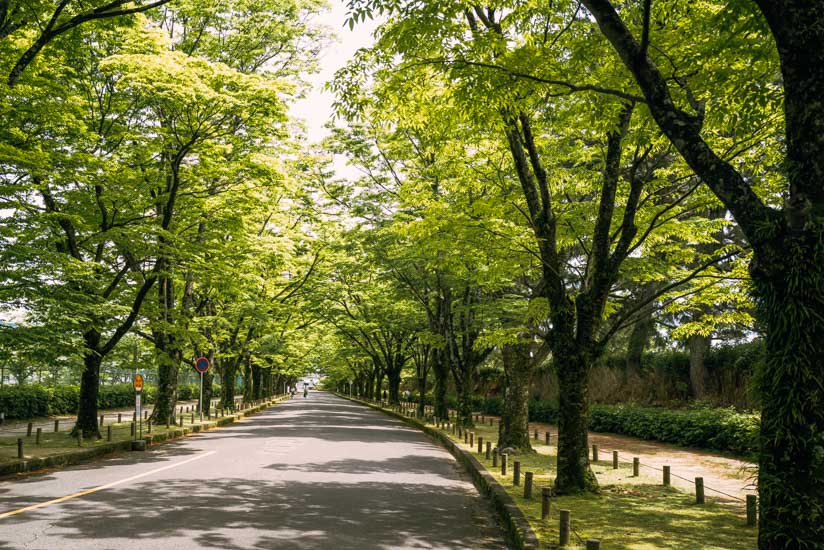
x=316, y=108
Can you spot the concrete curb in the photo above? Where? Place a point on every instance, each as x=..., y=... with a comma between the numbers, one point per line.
x=518, y=528
x=85, y=455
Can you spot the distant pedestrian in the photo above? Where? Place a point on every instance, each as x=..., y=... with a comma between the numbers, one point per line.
x=305, y=392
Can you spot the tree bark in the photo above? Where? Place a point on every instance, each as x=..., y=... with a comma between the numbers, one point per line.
x=513, y=430
x=89, y=388
x=441, y=372
x=394, y=375
x=698, y=346
x=256, y=382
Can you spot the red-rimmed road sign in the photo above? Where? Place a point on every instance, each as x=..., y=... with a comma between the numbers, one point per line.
x=202, y=365
x=138, y=383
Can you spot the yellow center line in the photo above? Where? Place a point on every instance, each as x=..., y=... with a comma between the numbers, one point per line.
x=102, y=487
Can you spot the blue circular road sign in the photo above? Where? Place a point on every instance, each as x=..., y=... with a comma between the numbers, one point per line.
x=202, y=365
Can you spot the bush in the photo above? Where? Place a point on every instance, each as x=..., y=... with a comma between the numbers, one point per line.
x=187, y=392
x=34, y=400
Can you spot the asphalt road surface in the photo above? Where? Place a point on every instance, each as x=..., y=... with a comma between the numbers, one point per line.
x=319, y=472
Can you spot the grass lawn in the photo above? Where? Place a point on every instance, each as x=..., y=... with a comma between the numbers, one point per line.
x=631, y=513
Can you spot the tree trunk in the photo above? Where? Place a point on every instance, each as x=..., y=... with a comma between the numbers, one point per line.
x=247, y=380
x=256, y=387
x=641, y=333
x=441, y=372
x=421, y=377
x=394, y=376
x=513, y=430
x=227, y=390
x=788, y=288
x=168, y=368
x=463, y=388
x=698, y=346
x=574, y=474
x=89, y=388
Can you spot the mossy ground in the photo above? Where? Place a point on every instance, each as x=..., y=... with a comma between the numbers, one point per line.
x=630, y=513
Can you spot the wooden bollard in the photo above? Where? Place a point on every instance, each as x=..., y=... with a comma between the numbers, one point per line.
x=504, y=457
x=488, y=450
x=528, y=485
x=56, y=426
x=536, y=435
x=471, y=439
x=109, y=432
x=466, y=436
x=132, y=428
x=28, y=429
x=167, y=422
x=699, y=490
x=20, y=448
x=614, y=460
x=595, y=453
x=752, y=510
x=546, y=498
x=460, y=431
x=593, y=544
x=666, y=475
x=193, y=418
x=636, y=466
x=102, y=418
x=490, y=421
x=145, y=415
x=546, y=439
x=149, y=426
x=563, y=538
x=134, y=416
x=119, y=418
x=516, y=472
x=480, y=444
x=495, y=457
x=38, y=435
x=181, y=420
x=80, y=438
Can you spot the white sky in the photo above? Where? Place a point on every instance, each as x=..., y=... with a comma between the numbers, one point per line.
x=316, y=109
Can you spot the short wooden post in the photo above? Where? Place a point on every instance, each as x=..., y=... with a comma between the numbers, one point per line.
x=134, y=416
x=480, y=444
x=593, y=544
x=119, y=418
x=699, y=490
x=666, y=475
x=516, y=472
x=132, y=429
x=167, y=422
x=80, y=438
x=460, y=431
x=145, y=415
x=636, y=466
x=752, y=510
x=193, y=419
x=504, y=457
x=466, y=436
x=490, y=421
x=149, y=426
x=546, y=498
x=20, y=448
x=38, y=434
x=488, y=449
x=101, y=420
x=536, y=435
x=614, y=460
x=595, y=453
x=181, y=420
x=528, y=485
x=109, y=432
x=471, y=439
x=56, y=426
x=495, y=458
x=564, y=528
x=546, y=439
x=28, y=429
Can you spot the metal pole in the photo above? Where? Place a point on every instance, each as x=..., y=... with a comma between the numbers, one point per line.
x=200, y=406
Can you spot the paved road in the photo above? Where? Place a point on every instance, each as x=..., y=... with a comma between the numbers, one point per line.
x=315, y=473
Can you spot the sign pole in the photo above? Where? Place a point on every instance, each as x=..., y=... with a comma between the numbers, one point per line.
x=200, y=408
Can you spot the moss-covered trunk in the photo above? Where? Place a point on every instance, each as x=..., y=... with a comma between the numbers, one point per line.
x=513, y=430
x=463, y=387
x=257, y=390
x=89, y=388
x=227, y=389
x=441, y=372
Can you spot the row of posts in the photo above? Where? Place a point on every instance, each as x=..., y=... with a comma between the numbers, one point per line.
x=39, y=431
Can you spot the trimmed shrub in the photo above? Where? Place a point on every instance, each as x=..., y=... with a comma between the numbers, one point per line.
x=34, y=400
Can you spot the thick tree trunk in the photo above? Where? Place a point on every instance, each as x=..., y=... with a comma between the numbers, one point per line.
x=256, y=382
x=790, y=295
x=463, y=387
x=208, y=380
x=513, y=430
x=441, y=372
x=698, y=346
x=641, y=333
x=574, y=474
x=421, y=378
x=394, y=376
x=168, y=368
x=227, y=389
x=247, y=380
x=89, y=388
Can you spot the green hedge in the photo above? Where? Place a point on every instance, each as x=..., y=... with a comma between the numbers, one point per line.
x=35, y=400
x=701, y=427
